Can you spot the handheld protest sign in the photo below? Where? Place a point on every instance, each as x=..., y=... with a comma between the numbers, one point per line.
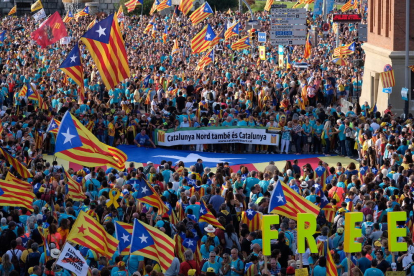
x=306, y=229
x=351, y=233
x=268, y=234
x=394, y=232
x=113, y=198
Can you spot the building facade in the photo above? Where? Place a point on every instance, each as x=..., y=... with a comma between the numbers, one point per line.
x=386, y=45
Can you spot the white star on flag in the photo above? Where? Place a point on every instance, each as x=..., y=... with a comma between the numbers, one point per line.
x=144, y=190
x=101, y=31
x=279, y=198
x=249, y=212
x=73, y=58
x=125, y=238
x=202, y=211
x=190, y=243
x=143, y=238
x=68, y=137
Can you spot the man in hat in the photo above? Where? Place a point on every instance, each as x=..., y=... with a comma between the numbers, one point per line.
x=210, y=232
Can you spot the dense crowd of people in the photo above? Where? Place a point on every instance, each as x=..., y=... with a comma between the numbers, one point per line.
x=166, y=92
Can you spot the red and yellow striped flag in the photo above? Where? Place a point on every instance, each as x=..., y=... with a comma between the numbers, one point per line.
x=75, y=191
x=241, y=44
x=330, y=265
x=346, y=6
x=81, y=13
x=39, y=139
x=185, y=6
x=86, y=231
x=130, y=5
x=13, y=10
x=308, y=48
x=356, y=4
x=12, y=195
x=199, y=43
x=207, y=216
x=68, y=17
x=253, y=219
x=107, y=48
x=165, y=4
x=411, y=67
x=388, y=79
x=20, y=183
x=91, y=24
x=158, y=246
x=154, y=7
x=330, y=212
x=22, y=170
x=23, y=91
x=201, y=13
x=269, y=4
x=295, y=204
x=175, y=48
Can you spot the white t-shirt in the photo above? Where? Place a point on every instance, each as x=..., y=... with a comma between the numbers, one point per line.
x=305, y=256
x=17, y=252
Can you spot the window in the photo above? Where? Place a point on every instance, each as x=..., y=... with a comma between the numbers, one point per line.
x=388, y=19
x=371, y=15
x=379, y=27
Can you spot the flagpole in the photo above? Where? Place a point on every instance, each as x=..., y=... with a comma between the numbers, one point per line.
x=142, y=9
x=407, y=54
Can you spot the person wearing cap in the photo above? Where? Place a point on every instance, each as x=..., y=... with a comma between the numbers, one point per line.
x=210, y=233
x=338, y=237
x=211, y=265
x=120, y=269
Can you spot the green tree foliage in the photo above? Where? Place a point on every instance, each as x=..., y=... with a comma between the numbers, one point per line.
x=221, y=5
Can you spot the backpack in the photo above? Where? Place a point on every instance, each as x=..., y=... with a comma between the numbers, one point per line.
x=368, y=230
x=172, y=199
x=32, y=259
x=408, y=268
x=321, y=219
x=15, y=260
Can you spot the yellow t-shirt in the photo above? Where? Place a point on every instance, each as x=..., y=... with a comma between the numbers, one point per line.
x=111, y=129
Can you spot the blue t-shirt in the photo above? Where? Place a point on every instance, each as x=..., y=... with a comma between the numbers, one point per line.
x=341, y=133
x=319, y=271
x=142, y=139
x=376, y=272
x=216, y=266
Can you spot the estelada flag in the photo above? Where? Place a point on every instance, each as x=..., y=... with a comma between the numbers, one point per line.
x=50, y=31
x=86, y=231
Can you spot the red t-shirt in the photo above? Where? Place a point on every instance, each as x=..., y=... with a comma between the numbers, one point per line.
x=187, y=265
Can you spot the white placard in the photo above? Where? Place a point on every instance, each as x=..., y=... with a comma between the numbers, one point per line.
x=72, y=260
x=39, y=15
